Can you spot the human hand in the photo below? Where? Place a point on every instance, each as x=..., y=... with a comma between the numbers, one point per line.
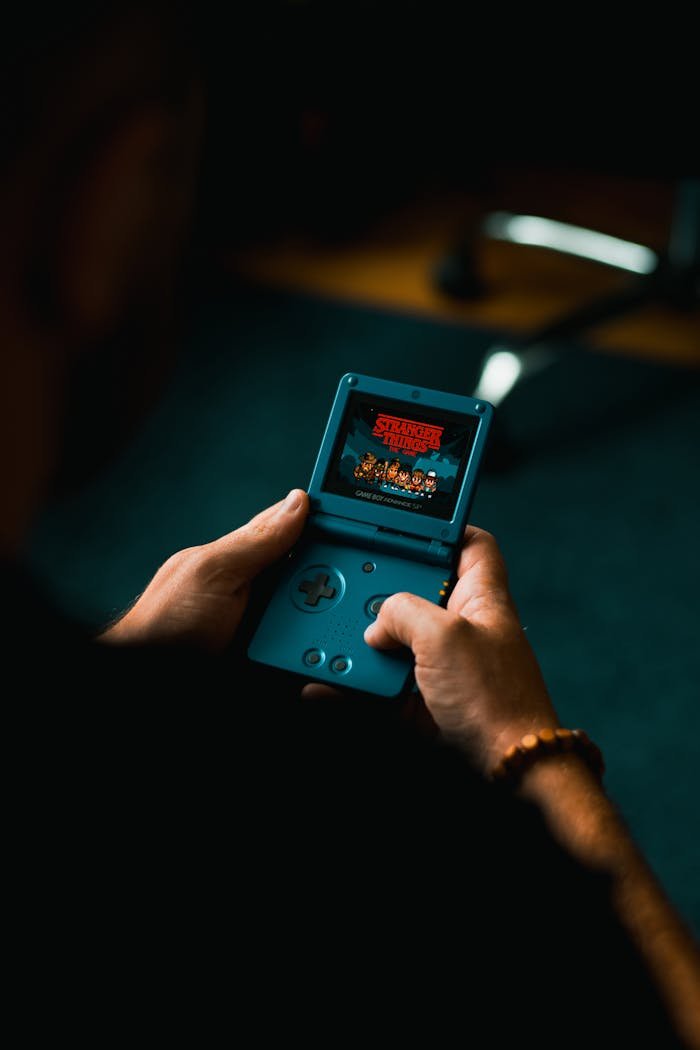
x=199, y=595
x=475, y=669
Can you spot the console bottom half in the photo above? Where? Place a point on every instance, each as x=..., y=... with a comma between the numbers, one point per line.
x=326, y=597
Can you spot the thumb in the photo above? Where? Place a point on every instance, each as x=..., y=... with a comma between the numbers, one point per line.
x=265, y=538
x=406, y=619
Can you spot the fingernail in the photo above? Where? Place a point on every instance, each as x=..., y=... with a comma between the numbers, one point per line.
x=292, y=501
x=369, y=631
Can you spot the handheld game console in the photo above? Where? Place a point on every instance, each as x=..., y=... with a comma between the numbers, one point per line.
x=389, y=498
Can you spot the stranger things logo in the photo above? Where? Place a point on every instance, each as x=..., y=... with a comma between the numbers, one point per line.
x=406, y=435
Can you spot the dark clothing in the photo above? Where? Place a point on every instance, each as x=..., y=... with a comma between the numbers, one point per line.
x=193, y=838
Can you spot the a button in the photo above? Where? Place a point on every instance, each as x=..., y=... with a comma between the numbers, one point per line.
x=317, y=588
x=369, y=566
x=341, y=664
x=314, y=657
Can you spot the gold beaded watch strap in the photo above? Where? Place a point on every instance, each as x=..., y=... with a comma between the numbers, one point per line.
x=533, y=746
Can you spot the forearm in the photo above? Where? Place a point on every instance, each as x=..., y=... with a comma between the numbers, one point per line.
x=584, y=820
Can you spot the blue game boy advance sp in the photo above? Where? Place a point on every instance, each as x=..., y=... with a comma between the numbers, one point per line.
x=389, y=498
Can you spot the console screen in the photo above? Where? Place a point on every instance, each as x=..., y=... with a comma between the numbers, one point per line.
x=390, y=453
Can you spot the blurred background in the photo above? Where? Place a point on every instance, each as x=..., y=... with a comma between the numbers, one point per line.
x=351, y=165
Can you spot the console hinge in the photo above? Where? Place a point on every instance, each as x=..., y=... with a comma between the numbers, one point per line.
x=357, y=533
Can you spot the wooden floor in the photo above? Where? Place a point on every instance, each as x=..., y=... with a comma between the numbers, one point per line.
x=390, y=266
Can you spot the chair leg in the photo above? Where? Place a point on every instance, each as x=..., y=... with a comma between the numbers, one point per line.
x=509, y=363
x=672, y=277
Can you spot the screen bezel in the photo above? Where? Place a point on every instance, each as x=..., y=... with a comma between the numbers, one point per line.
x=403, y=521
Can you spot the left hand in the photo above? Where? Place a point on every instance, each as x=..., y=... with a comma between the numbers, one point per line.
x=199, y=595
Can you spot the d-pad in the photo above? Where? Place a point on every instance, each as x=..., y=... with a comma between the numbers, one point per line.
x=315, y=589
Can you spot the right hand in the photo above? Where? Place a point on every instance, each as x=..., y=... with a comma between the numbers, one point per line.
x=474, y=667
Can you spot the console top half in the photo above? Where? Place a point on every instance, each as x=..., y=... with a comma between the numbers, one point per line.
x=400, y=458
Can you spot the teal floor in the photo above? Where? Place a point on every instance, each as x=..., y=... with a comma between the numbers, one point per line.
x=599, y=523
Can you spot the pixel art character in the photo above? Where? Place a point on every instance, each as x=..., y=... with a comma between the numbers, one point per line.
x=403, y=479
x=380, y=471
x=364, y=471
x=392, y=471
x=417, y=480
x=430, y=484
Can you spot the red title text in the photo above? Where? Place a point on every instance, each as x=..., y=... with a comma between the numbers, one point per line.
x=407, y=436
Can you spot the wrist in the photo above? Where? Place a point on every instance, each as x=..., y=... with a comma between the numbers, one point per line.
x=486, y=745
x=500, y=741
x=577, y=809
x=533, y=747
x=544, y=777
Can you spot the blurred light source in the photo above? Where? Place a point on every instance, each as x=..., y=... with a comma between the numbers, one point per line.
x=573, y=240
x=500, y=373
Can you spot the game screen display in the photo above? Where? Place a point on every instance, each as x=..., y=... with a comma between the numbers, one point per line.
x=391, y=454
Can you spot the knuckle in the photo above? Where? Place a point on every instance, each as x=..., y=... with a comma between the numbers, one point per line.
x=197, y=561
x=402, y=607
x=394, y=605
x=493, y=550
x=398, y=599
x=185, y=566
x=494, y=562
x=454, y=628
x=185, y=559
x=261, y=530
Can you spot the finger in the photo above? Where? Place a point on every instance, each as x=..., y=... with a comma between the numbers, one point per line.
x=406, y=619
x=481, y=551
x=265, y=538
x=482, y=584
x=316, y=691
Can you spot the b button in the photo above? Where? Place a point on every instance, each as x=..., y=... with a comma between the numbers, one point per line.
x=374, y=605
